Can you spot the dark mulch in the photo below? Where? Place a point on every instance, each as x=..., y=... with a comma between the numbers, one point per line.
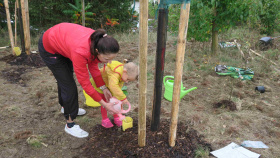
x=13, y=75
x=226, y=104
x=33, y=60
x=114, y=142
x=23, y=62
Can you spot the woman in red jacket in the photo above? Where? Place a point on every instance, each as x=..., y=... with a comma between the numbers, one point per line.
x=68, y=48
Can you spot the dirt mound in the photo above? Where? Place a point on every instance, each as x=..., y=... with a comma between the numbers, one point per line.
x=33, y=59
x=226, y=104
x=114, y=142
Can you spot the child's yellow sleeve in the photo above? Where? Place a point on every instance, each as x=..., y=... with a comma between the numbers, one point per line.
x=115, y=86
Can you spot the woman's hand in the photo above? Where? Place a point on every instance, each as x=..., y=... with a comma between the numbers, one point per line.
x=109, y=107
x=107, y=94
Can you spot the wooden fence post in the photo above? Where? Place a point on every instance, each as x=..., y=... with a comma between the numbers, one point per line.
x=143, y=47
x=15, y=23
x=21, y=34
x=83, y=13
x=26, y=27
x=9, y=26
x=181, y=46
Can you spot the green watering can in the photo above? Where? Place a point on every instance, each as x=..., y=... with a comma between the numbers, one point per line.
x=169, y=84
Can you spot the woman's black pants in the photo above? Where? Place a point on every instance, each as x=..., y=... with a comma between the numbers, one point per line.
x=62, y=69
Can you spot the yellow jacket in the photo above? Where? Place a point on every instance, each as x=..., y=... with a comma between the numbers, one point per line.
x=112, y=76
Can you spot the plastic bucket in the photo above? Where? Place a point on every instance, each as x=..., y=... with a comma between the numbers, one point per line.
x=90, y=101
x=127, y=123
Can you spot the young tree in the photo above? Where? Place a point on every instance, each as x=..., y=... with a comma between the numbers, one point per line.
x=211, y=17
x=225, y=14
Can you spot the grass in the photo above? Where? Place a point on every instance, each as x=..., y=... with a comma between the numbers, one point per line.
x=202, y=152
x=272, y=54
x=84, y=119
x=3, y=136
x=150, y=76
x=4, y=40
x=128, y=37
x=35, y=141
x=34, y=42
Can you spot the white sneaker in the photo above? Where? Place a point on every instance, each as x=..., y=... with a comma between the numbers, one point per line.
x=76, y=131
x=80, y=112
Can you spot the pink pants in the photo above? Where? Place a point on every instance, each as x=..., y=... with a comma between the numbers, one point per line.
x=103, y=110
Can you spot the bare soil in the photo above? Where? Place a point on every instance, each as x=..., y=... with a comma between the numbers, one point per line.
x=222, y=110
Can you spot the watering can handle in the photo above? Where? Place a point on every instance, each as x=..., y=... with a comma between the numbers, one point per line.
x=167, y=77
x=126, y=111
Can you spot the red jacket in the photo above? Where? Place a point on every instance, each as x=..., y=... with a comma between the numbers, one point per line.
x=73, y=41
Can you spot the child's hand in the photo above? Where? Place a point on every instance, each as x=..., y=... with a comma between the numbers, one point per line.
x=125, y=102
x=107, y=94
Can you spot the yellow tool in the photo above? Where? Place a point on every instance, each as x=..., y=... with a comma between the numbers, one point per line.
x=16, y=50
x=127, y=123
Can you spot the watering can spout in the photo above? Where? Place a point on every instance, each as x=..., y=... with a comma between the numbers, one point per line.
x=185, y=92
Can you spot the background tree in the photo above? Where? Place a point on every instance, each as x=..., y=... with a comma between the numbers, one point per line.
x=113, y=10
x=45, y=14
x=2, y=14
x=199, y=22
x=268, y=13
x=76, y=12
x=225, y=14
x=208, y=18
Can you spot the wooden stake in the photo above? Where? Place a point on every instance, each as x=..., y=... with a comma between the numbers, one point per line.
x=83, y=13
x=241, y=52
x=9, y=26
x=143, y=47
x=27, y=16
x=263, y=57
x=16, y=23
x=21, y=32
x=181, y=46
x=28, y=42
x=26, y=27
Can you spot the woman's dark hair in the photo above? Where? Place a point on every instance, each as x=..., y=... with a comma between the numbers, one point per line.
x=103, y=43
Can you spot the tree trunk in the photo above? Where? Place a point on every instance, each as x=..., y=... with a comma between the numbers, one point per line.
x=214, y=34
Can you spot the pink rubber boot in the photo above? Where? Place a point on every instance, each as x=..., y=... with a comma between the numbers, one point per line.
x=117, y=121
x=106, y=123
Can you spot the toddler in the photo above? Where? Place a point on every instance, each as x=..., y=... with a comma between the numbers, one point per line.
x=115, y=74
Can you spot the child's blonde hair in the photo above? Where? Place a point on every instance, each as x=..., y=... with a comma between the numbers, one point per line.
x=132, y=69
